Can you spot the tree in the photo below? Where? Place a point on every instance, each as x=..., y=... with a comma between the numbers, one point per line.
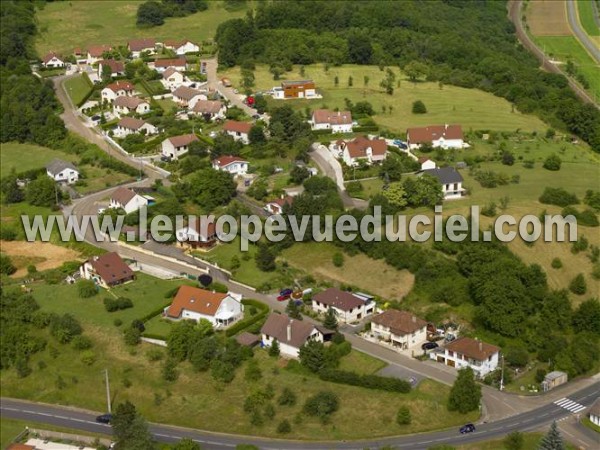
x=169, y=370
x=552, y=440
x=284, y=427
x=130, y=429
x=287, y=397
x=514, y=441
x=587, y=316
x=6, y=265
x=336, y=81
x=392, y=167
x=132, y=336
x=274, y=349
x=552, y=162
x=253, y=372
x=322, y=405
x=256, y=135
x=187, y=444
x=222, y=371
x=465, y=394
x=338, y=259
x=508, y=159
x=396, y=195
x=415, y=70
x=387, y=84
x=150, y=14
x=350, y=81
x=403, y=417
x=330, y=320
x=208, y=188
x=578, y=285
x=42, y=192
x=418, y=107
x=86, y=288
x=312, y=356
x=265, y=258
x=298, y=174
x=292, y=310
x=424, y=191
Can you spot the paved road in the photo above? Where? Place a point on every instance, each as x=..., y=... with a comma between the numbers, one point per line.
x=515, y=13
x=582, y=36
x=84, y=420
x=214, y=83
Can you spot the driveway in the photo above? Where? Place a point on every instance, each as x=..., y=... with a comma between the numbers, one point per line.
x=213, y=82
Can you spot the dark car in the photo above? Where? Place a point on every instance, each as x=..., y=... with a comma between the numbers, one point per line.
x=104, y=418
x=256, y=116
x=287, y=292
x=468, y=428
x=96, y=118
x=429, y=346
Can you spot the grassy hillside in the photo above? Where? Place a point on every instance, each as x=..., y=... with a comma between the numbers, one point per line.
x=27, y=156
x=65, y=25
x=445, y=104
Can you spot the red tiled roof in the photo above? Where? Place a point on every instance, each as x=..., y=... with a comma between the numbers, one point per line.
x=472, y=348
x=287, y=200
x=340, y=299
x=332, y=117
x=238, y=127
x=121, y=85
x=420, y=135
x=399, y=322
x=97, y=50
x=17, y=446
x=111, y=268
x=184, y=139
x=137, y=45
x=197, y=300
x=198, y=224
x=129, y=102
x=207, y=106
x=357, y=148
x=115, y=66
x=224, y=161
x=176, y=62
x=176, y=43
x=77, y=51
x=131, y=123
x=49, y=56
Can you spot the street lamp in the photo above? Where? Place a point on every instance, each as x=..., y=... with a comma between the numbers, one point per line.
x=502, y=374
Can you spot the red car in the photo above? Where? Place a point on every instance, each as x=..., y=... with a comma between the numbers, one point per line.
x=282, y=298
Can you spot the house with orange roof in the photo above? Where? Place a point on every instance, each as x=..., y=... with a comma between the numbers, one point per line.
x=117, y=89
x=362, y=148
x=52, y=61
x=463, y=352
x=336, y=121
x=238, y=130
x=95, y=52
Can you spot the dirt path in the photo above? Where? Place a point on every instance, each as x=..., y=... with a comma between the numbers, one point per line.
x=43, y=255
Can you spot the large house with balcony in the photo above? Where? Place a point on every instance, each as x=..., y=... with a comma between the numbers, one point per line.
x=336, y=121
x=107, y=270
x=348, y=307
x=401, y=329
x=443, y=136
x=463, y=352
x=364, y=149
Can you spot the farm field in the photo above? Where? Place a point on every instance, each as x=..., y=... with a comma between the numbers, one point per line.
x=585, y=10
x=548, y=18
x=77, y=88
x=43, y=255
x=66, y=25
x=472, y=108
x=23, y=157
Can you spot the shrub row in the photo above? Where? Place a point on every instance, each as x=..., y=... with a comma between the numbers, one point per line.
x=246, y=323
x=365, y=129
x=116, y=304
x=154, y=313
x=366, y=381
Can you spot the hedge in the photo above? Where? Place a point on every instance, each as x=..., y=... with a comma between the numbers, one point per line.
x=321, y=132
x=365, y=128
x=154, y=313
x=246, y=323
x=366, y=381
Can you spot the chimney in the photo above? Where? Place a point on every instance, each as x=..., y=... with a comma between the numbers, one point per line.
x=446, y=126
x=289, y=331
x=414, y=319
x=480, y=346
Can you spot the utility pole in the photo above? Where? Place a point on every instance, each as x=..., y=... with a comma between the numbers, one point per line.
x=502, y=376
x=107, y=390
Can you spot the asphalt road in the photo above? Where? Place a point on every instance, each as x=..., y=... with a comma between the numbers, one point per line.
x=85, y=421
x=582, y=36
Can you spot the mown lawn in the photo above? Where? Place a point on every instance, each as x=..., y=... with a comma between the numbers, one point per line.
x=65, y=25
x=23, y=157
x=77, y=88
x=586, y=17
x=472, y=108
x=362, y=363
x=10, y=428
x=530, y=440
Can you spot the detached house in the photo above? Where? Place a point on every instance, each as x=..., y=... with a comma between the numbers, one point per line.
x=363, y=149
x=117, y=89
x=290, y=334
x=163, y=64
x=182, y=47
x=52, y=61
x=95, y=52
x=347, y=307
x=176, y=146
x=187, y=96
x=127, y=200
x=401, y=329
x=444, y=136
x=139, y=46
x=210, y=109
x=336, y=121
x=295, y=89
x=222, y=310
x=197, y=234
x=172, y=79
x=128, y=105
x=238, y=130
x=107, y=270
x=131, y=125
x=62, y=171
x=467, y=352
x=450, y=179
x=232, y=164
x=117, y=68
x=426, y=163
x=276, y=206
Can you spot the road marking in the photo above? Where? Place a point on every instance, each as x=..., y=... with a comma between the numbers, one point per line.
x=569, y=405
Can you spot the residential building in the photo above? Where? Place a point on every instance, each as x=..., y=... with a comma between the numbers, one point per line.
x=131, y=125
x=52, y=61
x=187, y=96
x=117, y=89
x=139, y=46
x=295, y=89
x=464, y=352
x=62, y=171
x=364, y=149
x=426, y=163
x=107, y=270
x=176, y=146
x=160, y=65
x=127, y=199
x=554, y=379
x=129, y=105
x=444, y=136
x=238, y=130
x=210, y=109
x=197, y=234
x=336, y=121
x=172, y=79
x=95, y=52
x=276, y=206
x=232, y=164
x=594, y=412
x=450, y=179
x=348, y=307
x=290, y=334
x=401, y=329
x=221, y=310
x=182, y=47
x=117, y=68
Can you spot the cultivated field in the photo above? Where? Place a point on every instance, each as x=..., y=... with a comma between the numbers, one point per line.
x=23, y=157
x=43, y=255
x=548, y=18
x=585, y=10
x=472, y=108
x=66, y=25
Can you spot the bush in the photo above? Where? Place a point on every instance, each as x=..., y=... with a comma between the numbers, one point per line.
x=418, y=107
x=287, y=397
x=578, y=285
x=508, y=159
x=580, y=245
x=366, y=381
x=88, y=357
x=517, y=356
x=556, y=263
x=558, y=197
x=403, y=417
x=338, y=259
x=552, y=162
x=284, y=427
x=6, y=265
x=81, y=343
x=117, y=304
x=117, y=322
x=322, y=405
x=132, y=336
x=86, y=288
x=586, y=218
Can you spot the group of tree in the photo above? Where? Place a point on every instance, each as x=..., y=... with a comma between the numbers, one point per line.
x=412, y=192
x=207, y=188
x=153, y=13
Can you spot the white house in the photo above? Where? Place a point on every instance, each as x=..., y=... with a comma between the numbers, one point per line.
x=128, y=105
x=172, y=79
x=62, y=171
x=176, y=146
x=187, y=96
x=221, y=310
x=197, y=234
x=95, y=52
x=210, y=109
x=290, y=334
x=107, y=270
x=295, y=89
x=347, y=307
x=160, y=65
x=594, y=412
x=426, y=163
x=401, y=329
x=443, y=136
x=336, y=121
x=362, y=148
x=131, y=125
x=117, y=89
x=127, y=200
x=232, y=164
x=238, y=130
x=464, y=352
x=117, y=68
x=182, y=47
x=139, y=46
x=52, y=61
x=450, y=179
x=276, y=206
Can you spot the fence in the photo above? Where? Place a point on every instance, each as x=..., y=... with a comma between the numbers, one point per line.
x=74, y=438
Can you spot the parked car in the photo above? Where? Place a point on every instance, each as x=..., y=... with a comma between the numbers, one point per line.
x=104, y=418
x=256, y=116
x=286, y=291
x=468, y=428
x=429, y=346
x=282, y=298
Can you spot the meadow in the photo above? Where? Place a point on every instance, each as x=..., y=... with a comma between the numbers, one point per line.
x=66, y=25
x=78, y=88
x=23, y=157
x=585, y=10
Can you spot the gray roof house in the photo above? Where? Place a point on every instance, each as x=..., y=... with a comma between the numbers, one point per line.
x=450, y=179
x=62, y=171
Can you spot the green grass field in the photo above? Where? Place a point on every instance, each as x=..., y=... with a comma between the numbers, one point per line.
x=563, y=48
x=10, y=428
x=77, y=88
x=66, y=25
x=24, y=157
x=586, y=17
x=530, y=440
x=472, y=108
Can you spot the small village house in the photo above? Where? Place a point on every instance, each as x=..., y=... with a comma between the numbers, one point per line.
x=160, y=65
x=276, y=206
x=62, y=171
x=131, y=125
x=290, y=334
x=221, y=310
x=238, y=130
x=139, y=46
x=336, y=121
x=463, y=352
x=187, y=96
x=210, y=109
x=232, y=164
x=364, y=149
x=401, y=329
x=442, y=136
x=295, y=89
x=176, y=146
x=197, y=234
x=117, y=68
x=52, y=61
x=450, y=179
x=348, y=307
x=95, y=52
x=426, y=163
x=117, y=89
x=107, y=270
x=127, y=199
x=181, y=47
x=128, y=105
x=172, y=79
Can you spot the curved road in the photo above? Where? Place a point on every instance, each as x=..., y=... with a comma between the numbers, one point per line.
x=581, y=35
x=85, y=421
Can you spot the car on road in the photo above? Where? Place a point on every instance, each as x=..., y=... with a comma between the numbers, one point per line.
x=256, y=116
x=104, y=418
x=429, y=346
x=282, y=298
x=286, y=291
x=468, y=428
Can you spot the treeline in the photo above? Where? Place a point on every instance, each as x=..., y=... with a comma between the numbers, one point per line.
x=468, y=44
x=153, y=13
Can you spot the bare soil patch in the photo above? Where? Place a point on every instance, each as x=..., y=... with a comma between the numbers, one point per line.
x=43, y=255
x=548, y=18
